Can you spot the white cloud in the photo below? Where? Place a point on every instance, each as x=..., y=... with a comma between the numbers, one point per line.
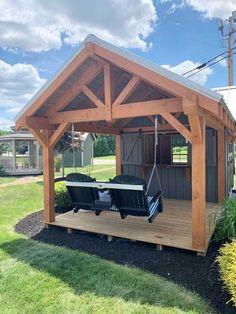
x=40, y=25
x=213, y=9
x=223, y=63
x=5, y=124
x=183, y=67
x=210, y=9
x=18, y=83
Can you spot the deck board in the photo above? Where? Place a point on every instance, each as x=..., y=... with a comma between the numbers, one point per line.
x=171, y=228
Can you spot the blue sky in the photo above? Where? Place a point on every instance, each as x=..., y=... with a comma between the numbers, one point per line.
x=35, y=40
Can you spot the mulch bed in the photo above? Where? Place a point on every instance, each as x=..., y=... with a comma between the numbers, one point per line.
x=196, y=273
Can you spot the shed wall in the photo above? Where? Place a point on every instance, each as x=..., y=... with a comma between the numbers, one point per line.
x=175, y=179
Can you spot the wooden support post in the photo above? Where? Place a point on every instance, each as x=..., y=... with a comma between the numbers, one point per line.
x=118, y=155
x=48, y=178
x=221, y=165
x=107, y=92
x=199, y=191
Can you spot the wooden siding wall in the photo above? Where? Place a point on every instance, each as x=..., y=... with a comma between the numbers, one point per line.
x=229, y=164
x=175, y=179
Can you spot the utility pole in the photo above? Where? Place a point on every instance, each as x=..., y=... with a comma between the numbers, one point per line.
x=230, y=42
x=230, y=53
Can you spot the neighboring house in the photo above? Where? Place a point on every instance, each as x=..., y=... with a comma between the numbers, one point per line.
x=23, y=154
x=84, y=156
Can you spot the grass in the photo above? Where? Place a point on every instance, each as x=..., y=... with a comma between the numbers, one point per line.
x=112, y=157
x=41, y=278
x=100, y=172
x=4, y=180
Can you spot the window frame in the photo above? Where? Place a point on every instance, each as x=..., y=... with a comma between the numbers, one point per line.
x=179, y=141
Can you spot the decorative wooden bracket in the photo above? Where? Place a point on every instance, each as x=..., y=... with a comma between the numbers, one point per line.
x=178, y=126
x=58, y=133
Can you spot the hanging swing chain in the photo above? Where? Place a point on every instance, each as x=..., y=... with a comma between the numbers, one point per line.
x=73, y=144
x=155, y=161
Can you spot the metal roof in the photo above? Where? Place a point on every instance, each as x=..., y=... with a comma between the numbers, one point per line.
x=17, y=136
x=229, y=96
x=136, y=59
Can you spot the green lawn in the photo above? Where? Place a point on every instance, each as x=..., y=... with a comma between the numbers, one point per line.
x=42, y=278
x=4, y=180
x=100, y=172
x=112, y=157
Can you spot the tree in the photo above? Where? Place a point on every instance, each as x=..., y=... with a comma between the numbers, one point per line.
x=104, y=146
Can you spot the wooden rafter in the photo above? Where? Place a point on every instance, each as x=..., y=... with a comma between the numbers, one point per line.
x=128, y=89
x=75, y=89
x=56, y=83
x=90, y=94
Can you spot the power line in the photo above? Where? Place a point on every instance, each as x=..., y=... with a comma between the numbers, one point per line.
x=203, y=65
x=203, y=68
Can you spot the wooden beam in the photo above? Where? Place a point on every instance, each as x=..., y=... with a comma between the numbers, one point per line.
x=221, y=164
x=127, y=90
x=147, y=108
x=93, y=128
x=56, y=83
x=199, y=192
x=58, y=133
x=190, y=107
x=118, y=155
x=156, y=79
x=74, y=90
x=82, y=115
x=38, y=123
x=160, y=128
x=178, y=126
x=48, y=186
x=97, y=102
x=108, y=92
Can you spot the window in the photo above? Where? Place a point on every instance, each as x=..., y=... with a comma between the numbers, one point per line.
x=179, y=150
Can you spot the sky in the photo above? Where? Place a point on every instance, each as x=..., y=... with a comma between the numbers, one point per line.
x=37, y=37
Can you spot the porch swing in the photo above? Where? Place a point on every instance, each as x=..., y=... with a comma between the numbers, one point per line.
x=129, y=195
x=138, y=201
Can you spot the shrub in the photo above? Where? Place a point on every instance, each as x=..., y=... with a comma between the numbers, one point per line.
x=227, y=263
x=2, y=171
x=62, y=198
x=225, y=220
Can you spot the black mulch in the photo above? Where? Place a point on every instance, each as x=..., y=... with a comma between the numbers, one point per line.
x=197, y=273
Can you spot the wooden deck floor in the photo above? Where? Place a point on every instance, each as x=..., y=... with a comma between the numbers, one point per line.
x=170, y=228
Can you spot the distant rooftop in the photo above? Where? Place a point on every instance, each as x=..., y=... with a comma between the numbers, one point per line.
x=16, y=136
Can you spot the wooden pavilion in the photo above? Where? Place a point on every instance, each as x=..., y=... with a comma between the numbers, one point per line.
x=104, y=89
